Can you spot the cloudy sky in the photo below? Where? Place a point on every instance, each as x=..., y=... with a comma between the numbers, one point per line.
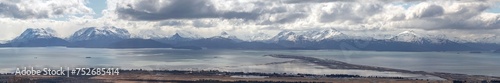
x=466, y=19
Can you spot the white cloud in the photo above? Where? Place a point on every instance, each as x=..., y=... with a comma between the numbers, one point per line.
x=27, y=9
x=446, y=15
x=247, y=17
x=424, y=10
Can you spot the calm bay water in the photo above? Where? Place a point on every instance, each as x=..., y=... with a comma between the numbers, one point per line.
x=452, y=62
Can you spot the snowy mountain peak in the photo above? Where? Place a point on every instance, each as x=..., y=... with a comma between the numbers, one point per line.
x=187, y=34
x=36, y=33
x=313, y=35
x=110, y=30
x=410, y=32
x=282, y=33
x=407, y=36
x=225, y=35
x=286, y=36
x=176, y=36
x=106, y=32
x=318, y=35
x=411, y=36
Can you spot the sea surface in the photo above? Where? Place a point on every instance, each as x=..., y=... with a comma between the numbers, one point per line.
x=485, y=63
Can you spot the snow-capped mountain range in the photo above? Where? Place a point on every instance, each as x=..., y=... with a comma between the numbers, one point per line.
x=313, y=35
x=107, y=36
x=187, y=34
x=112, y=32
x=318, y=35
x=408, y=36
x=333, y=34
x=37, y=37
x=413, y=37
x=286, y=36
x=3, y=41
x=105, y=32
x=225, y=35
x=176, y=36
x=35, y=33
x=491, y=39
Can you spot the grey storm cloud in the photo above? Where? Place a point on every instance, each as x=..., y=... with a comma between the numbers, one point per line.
x=285, y=18
x=29, y=9
x=425, y=15
x=171, y=23
x=11, y=10
x=177, y=9
x=462, y=16
x=314, y=1
x=327, y=1
x=348, y=12
x=428, y=11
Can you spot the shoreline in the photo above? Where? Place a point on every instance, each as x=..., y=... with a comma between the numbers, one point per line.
x=201, y=76
x=343, y=65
